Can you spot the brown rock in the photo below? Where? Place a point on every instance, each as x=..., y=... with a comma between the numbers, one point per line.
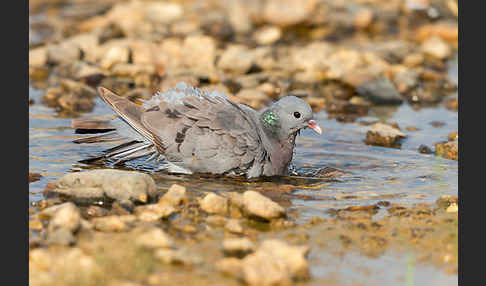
x=255, y=204
x=448, y=150
x=113, y=223
x=385, y=135
x=214, y=204
x=175, y=196
x=154, y=238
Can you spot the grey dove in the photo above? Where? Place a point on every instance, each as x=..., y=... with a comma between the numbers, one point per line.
x=196, y=131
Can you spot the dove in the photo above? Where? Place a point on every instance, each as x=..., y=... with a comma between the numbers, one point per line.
x=192, y=131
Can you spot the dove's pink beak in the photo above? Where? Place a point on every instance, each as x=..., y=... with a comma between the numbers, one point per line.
x=313, y=125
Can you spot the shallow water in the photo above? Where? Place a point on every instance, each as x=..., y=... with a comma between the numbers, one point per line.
x=370, y=174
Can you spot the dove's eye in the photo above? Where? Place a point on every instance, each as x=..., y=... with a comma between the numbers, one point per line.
x=297, y=114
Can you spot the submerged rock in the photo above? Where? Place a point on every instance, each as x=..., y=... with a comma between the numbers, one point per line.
x=106, y=183
x=256, y=204
x=154, y=212
x=385, y=135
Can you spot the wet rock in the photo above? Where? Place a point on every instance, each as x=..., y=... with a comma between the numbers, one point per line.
x=239, y=247
x=38, y=57
x=267, y=35
x=178, y=257
x=114, y=55
x=45, y=266
x=78, y=88
x=255, y=204
x=437, y=124
x=113, y=223
x=448, y=150
x=424, y=149
x=154, y=238
x=87, y=72
x=163, y=12
x=216, y=220
x=34, y=177
x=445, y=201
x=452, y=104
x=75, y=103
x=274, y=263
x=114, y=184
x=214, y=204
x=405, y=80
x=453, y=208
x=437, y=48
x=63, y=53
x=385, y=135
x=61, y=236
x=95, y=211
x=65, y=215
x=379, y=91
x=131, y=70
x=154, y=212
x=175, y=196
x=453, y=136
x=363, y=18
x=234, y=226
x=199, y=54
x=231, y=266
x=412, y=128
x=287, y=12
x=236, y=59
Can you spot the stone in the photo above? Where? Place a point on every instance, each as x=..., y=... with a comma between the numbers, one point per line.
x=63, y=53
x=238, y=247
x=381, y=134
x=287, y=12
x=437, y=48
x=379, y=91
x=162, y=12
x=98, y=184
x=175, y=196
x=154, y=238
x=113, y=223
x=236, y=59
x=38, y=57
x=448, y=150
x=114, y=55
x=234, y=226
x=154, y=212
x=61, y=236
x=214, y=204
x=65, y=215
x=131, y=70
x=424, y=149
x=267, y=35
x=178, y=256
x=255, y=204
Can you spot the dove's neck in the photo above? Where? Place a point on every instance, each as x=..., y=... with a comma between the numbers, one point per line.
x=278, y=144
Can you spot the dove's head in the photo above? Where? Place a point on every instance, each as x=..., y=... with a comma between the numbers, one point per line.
x=288, y=116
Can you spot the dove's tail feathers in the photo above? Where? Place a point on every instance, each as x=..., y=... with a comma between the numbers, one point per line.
x=125, y=152
x=99, y=138
x=128, y=111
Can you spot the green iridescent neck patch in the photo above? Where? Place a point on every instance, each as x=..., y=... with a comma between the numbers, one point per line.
x=270, y=119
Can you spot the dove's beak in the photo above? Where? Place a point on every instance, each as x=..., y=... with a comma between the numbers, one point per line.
x=313, y=125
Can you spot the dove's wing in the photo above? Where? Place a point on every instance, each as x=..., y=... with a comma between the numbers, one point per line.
x=205, y=133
